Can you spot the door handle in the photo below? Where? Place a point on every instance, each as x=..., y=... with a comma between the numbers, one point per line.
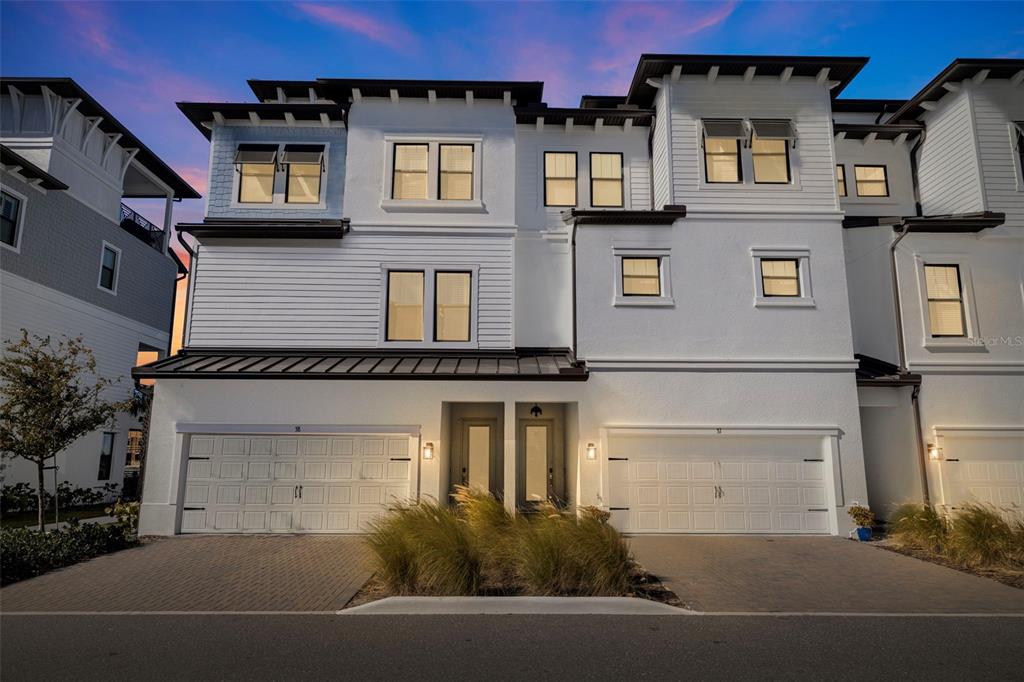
x=300, y=492
x=295, y=493
x=463, y=475
x=551, y=475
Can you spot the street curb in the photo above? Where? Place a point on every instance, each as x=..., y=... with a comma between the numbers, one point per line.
x=619, y=606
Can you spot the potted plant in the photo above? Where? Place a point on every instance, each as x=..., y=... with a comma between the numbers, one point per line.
x=864, y=518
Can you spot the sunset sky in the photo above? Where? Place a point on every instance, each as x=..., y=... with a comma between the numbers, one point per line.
x=139, y=58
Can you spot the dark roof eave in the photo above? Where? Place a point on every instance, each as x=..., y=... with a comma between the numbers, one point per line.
x=958, y=69
x=966, y=222
x=882, y=131
x=665, y=216
x=201, y=113
x=266, y=229
x=890, y=382
x=29, y=170
x=521, y=92
x=583, y=116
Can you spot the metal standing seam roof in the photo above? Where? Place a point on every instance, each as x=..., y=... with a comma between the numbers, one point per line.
x=523, y=365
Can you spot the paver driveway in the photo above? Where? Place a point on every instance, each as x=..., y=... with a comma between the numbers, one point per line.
x=205, y=573
x=820, y=575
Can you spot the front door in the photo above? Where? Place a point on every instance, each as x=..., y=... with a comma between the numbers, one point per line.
x=476, y=461
x=542, y=470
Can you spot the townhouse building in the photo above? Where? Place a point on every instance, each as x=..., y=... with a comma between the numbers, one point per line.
x=76, y=262
x=640, y=303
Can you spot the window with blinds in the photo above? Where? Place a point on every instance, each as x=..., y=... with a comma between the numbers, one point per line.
x=641, y=277
x=256, y=183
x=841, y=179
x=405, y=306
x=452, y=306
x=780, y=277
x=559, y=178
x=456, y=172
x=409, y=179
x=945, y=300
x=771, y=161
x=871, y=181
x=606, y=179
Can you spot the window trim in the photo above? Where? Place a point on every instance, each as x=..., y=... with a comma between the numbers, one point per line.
x=970, y=309
x=469, y=324
x=110, y=456
x=432, y=205
x=803, y=257
x=845, y=193
x=622, y=180
x=19, y=226
x=429, y=304
x=664, y=256
x=856, y=182
x=280, y=192
x=472, y=173
x=575, y=178
x=117, y=268
x=753, y=166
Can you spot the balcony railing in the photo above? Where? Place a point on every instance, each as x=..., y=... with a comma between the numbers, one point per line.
x=143, y=229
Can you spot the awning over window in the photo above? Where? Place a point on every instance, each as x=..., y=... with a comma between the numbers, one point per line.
x=732, y=129
x=303, y=153
x=774, y=129
x=256, y=153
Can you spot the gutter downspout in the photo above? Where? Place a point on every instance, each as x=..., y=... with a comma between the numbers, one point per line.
x=650, y=160
x=922, y=456
x=572, y=247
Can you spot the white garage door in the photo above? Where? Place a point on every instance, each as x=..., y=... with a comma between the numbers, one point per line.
x=292, y=484
x=717, y=484
x=983, y=468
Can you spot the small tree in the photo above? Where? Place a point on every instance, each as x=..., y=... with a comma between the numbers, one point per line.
x=52, y=396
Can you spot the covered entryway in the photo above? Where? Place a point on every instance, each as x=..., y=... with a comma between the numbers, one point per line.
x=981, y=466
x=718, y=483
x=264, y=483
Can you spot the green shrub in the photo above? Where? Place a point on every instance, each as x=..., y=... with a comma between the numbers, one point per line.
x=980, y=536
x=920, y=526
x=27, y=552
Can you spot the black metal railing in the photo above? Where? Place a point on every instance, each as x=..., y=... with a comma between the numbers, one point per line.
x=143, y=229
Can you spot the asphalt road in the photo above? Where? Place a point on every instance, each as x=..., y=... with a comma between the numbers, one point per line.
x=200, y=647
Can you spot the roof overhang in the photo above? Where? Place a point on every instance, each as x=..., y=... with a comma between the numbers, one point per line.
x=665, y=216
x=958, y=70
x=224, y=228
x=32, y=174
x=602, y=101
x=879, y=373
x=877, y=131
x=583, y=116
x=520, y=364
x=866, y=106
x=837, y=70
x=283, y=90
x=204, y=115
x=67, y=87
x=519, y=93
x=948, y=224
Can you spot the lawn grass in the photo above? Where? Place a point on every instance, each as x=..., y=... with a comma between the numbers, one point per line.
x=22, y=519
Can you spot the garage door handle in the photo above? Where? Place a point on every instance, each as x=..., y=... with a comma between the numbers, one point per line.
x=618, y=459
x=814, y=460
x=618, y=508
x=817, y=510
x=951, y=460
x=401, y=459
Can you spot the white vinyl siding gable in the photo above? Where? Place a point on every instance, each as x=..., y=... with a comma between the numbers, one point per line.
x=330, y=297
x=949, y=174
x=996, y=105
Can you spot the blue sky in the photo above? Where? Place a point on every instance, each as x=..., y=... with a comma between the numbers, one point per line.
x=138, y=58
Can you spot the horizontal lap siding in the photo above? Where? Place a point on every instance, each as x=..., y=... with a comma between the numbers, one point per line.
x=805, y=103
x=948, y=171
x=330, y=297
x=996, y=104
x=660, y=154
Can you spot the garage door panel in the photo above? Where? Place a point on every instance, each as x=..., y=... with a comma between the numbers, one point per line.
x=257, y=494
x=254, y=521
x=703, y=494
x=197, y=494
x=258, y=471
x=286, y=470
x=677, y=495
x=315, y=447
x=231, y=470
x=343, y=447
x=286, y=447
x=193, y=520
x=234, y=446
x=339, y=494
x=312, y=495
x=229, y=494
x=341, y=471
x=314, y=471
x=200, y=469
x=703, y=471
x=261, y=447
x=984, y=468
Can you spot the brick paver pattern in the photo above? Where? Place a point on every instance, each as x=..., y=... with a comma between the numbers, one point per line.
x=205, y=573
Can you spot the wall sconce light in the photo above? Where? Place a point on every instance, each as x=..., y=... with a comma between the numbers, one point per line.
x=591, y=451
x=934, y=451
x=536, y=411
x=428, y=451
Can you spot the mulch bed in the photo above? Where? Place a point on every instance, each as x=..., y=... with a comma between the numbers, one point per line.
x=1006, y=576
x=645, y=586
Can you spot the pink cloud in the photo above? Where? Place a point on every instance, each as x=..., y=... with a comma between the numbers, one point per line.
x=195, y=176
x=89, y=23
x=386, y=33
x=538, y=60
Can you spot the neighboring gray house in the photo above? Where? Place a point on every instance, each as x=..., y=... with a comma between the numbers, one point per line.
x=74, y=260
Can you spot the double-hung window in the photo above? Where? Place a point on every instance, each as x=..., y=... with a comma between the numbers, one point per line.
x=871, y=181
x=769, y=149
x=456, y=172
x=106, y=456
x=722, y=138
x=405, y=306
x=257, y=166
x=10, y=217
x=452, y=305
x=780, y=277
x=641, y=276
x=110, y=258
x=559, y=178
x=304, y=166
x=410, y=174
x=410, y=293
x=606, y=179
x=841, y=179
x=945, y=301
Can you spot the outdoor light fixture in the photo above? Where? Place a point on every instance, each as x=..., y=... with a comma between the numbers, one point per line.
x=536, y=411
x=591, y=451
x=428, y=451
x=934, y=451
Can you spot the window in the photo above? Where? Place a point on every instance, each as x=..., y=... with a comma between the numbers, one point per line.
x=304, y=164
x=722, y=150
x=410, y=171
x=133, y=453
x=10, y=216
x=1017, y=133
x=405, y=306
x=256, y=165
x=456, y=168
x=452, y=306
x=559, y=178
x=641, y=277
x=945, y=301
x=606, y=179
x=106, y=456
x=780, y=277
x=770, y=150
x=109, y=261
x=841, y=179
x=871, y=181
